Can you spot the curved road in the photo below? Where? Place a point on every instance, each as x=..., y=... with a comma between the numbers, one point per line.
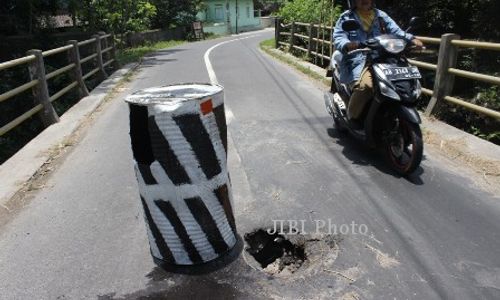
x=433, y=236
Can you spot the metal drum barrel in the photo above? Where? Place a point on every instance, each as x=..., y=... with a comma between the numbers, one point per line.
x=179, y=144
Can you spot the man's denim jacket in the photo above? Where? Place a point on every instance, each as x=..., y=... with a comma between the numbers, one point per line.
x=351, y=66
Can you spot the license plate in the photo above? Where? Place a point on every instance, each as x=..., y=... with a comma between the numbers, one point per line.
x=400, y=73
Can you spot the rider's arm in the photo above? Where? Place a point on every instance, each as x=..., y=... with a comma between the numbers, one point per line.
x=393, y=28
x=341, y=38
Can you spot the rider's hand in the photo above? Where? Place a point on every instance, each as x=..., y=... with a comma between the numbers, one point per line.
x=417, y=43
x=352, y=46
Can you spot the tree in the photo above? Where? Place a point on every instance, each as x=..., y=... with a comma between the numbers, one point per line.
x=268, y=6
x=116, y=16
x=26, y=16
x=309, y=11
x=175, y=12
x=475, y=19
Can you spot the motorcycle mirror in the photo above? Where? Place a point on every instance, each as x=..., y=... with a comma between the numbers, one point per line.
x=414, y=23
x=350, y=25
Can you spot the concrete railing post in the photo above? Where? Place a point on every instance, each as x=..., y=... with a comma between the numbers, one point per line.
x=41, y=91
x=443, y=84
x=98, y=50
x=331, y=42
x=292, y=36
x=309, y=46
x=277, y=32
x=104, y=45
x=77, y=74
x=180, y=154
x=113, y=52
x=129, y=41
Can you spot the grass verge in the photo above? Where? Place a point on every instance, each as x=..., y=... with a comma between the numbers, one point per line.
x=268, y=47
x=129, y=55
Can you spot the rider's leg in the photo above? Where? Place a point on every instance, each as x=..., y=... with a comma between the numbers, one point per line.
x=362, y=93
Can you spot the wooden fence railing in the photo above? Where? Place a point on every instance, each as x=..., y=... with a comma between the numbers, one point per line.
x=102, y=46
x=322, y=49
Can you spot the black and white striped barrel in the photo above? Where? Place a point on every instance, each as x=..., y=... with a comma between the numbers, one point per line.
x=179, y=143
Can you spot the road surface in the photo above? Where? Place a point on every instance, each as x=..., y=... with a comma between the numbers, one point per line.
x=435, y=235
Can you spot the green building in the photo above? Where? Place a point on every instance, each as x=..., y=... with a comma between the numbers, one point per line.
x=242, y=16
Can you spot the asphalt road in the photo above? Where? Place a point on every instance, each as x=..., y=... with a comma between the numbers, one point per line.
x=435, y=235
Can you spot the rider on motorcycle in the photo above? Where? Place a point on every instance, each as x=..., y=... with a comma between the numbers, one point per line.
x=353, y=70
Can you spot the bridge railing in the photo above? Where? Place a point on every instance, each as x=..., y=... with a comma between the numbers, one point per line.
x=320, y=49
x=102, y=48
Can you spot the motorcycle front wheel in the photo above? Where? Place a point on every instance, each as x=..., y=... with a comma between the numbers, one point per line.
x=340, y=129
x=404, y=149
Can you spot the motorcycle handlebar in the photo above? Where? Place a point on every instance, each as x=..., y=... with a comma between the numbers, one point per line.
x=417, y=48
x=359, y=51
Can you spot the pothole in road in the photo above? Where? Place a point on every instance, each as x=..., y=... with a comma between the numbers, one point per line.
x=291, y=253
x=274, y=252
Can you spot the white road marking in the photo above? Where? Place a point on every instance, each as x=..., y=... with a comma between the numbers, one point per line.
x=211, y=71
x=229, y=115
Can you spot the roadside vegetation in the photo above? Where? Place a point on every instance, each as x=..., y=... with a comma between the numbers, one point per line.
x=268, y=47
x=129, y=55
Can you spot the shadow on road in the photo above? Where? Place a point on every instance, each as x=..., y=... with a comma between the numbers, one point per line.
x=192, y=282
x=352, y=149
x=159, y=57
x=362, y=155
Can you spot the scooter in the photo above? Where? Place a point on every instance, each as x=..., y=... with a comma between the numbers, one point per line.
x=390, y=122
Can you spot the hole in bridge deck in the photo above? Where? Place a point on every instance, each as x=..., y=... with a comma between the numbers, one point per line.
x=274, y=251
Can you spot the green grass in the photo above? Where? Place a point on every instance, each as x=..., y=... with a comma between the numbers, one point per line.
x=129, y=55
x=268, y=46
x=267, y=43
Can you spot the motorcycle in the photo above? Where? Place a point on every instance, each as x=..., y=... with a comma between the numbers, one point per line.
x=390, y=121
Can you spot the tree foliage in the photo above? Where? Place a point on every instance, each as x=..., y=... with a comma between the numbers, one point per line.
x=26, y=16
x=175, y=12
x=309, y=11
x=116, y=16
x=31, y=16
x=477, y=19
x=268, y=7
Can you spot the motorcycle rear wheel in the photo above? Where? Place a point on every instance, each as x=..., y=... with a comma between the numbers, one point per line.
x=404, y=152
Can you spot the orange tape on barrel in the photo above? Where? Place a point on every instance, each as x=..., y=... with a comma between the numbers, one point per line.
x=207, y=107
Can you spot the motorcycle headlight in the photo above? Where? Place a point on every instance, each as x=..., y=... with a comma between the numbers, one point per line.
x=393, y=45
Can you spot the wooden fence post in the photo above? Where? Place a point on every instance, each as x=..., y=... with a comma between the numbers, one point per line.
x=443, y=84
x=98, y=50
x=309, y=46
x=41, y=91
x=292, y=36
x=277, y=32
x=74, y=57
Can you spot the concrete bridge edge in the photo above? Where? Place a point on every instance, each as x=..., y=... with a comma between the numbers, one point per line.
x=21, y=167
